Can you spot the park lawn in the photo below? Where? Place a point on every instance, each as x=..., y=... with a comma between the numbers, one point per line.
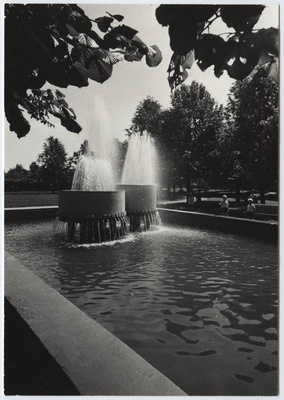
x=30, y=199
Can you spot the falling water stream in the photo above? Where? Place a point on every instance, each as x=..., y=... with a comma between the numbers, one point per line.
x=93, y=173
x=140, y=162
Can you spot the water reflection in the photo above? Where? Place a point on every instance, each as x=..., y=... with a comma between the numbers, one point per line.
x=200, y=306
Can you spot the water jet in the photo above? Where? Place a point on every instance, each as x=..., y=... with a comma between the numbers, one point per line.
x=138, y=181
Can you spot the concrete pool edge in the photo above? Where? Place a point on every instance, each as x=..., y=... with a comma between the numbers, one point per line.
x=240, y=226
x=95, y=361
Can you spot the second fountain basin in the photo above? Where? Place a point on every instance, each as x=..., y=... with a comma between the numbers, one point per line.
x=139, y=197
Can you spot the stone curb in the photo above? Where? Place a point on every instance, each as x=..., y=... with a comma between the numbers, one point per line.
x=96, y=361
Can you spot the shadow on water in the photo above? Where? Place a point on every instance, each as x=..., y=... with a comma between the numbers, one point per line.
x=201, y=307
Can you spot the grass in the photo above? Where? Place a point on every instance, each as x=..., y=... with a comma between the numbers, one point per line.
x=30, y=199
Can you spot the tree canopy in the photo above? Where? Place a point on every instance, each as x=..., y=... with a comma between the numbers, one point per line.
x=56, y=43
x=147, y=117
x=186, y=133
x=253, y=115
x=191, y=129
x=53, y=165
x=242, y=53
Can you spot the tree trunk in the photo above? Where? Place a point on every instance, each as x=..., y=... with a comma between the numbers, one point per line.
x=238, y=193
x=188, y=186
x=262, y=195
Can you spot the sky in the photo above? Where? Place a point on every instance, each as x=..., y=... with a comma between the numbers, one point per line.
x=109, y=107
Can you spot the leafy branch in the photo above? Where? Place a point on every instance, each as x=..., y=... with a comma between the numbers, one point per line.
x=56, y=43
x=240, y=58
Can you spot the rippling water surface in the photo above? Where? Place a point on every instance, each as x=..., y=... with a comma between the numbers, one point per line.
x=200, y=306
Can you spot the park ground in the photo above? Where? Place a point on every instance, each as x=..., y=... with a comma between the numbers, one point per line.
x=210, y=200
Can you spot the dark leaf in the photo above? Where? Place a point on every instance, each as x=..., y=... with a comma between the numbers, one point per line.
x=239, y=59
x=94, y=72
x=268, y=40
x=71, y=125
x=71, y=30
x=241, y=17
x=100, y=68
x=59, y=94
x=141, y=46
x=125, y=31
x=153, y=56
x=225, y=54
x=177, y=73
x=56, y=74
x=104, y=23
x=77, y=75
x=114, y=40
x=83, y=54
x=35, y=81
x=166, y=14
x=93, y=35
x=17, y=121
x=134, y=55
x=105, y=70
x=79, y=20
x=43, y=13
x=207, y=48
x=183, y=35
x=118, y=17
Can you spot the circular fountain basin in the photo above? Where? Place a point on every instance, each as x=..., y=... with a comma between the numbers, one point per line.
x=90, y=204
x=139, y=197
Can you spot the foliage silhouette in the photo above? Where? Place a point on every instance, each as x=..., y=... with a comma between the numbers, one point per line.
x=56, y=43
x=241, y=54
x=253, y=131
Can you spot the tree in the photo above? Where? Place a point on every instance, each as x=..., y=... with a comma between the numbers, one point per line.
x=17, y=178
x=53, y=165
x=34, y=176
x=190, y=134
x=253, y=109
x=147, y=117
x=244, y=51
x=186, y=134
x=72, y=161
x=56, y=43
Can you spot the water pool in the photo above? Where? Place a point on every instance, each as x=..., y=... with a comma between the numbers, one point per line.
x=200, y=306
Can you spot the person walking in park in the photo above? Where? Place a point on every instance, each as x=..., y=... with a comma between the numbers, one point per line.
x=253, y=196
x=250, y=208
x=224, y=206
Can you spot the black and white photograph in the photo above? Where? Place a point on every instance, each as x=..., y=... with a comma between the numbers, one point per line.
x=141, y=196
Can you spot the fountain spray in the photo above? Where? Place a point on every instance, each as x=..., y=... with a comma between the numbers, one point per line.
x=93, y=210
x=138, y=181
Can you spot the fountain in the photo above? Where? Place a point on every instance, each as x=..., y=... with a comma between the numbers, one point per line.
x=93, y=216
x=138, y=181
x=93, y=211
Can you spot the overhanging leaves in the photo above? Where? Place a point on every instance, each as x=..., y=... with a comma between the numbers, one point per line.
x=239, y=54
x=56, y=43
x=241, y=17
